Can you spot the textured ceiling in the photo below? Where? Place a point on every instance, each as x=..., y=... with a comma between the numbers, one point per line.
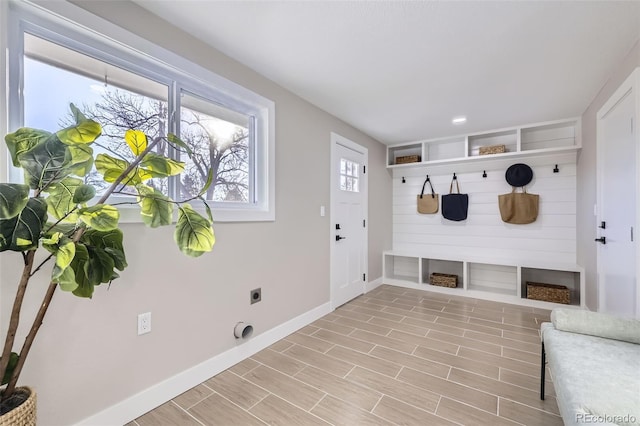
x=401, y=70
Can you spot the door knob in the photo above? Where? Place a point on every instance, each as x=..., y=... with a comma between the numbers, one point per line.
x=338, y=238
x=602, y=240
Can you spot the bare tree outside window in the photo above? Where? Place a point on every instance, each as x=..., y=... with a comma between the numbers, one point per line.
x=217, y=144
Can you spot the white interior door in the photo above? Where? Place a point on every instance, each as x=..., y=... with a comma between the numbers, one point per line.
x=617, y=205
x=348, y=220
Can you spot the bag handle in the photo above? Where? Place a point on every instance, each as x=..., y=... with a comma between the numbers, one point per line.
x=513, y=189
x=455, y=179
x=433, y=194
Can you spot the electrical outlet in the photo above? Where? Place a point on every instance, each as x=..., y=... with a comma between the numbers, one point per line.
x=256, y=295
x=144, y=323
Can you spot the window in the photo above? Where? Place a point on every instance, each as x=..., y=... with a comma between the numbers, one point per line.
x=349, y=176
x=228, y=128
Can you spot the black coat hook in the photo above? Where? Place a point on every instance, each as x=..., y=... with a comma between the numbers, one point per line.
x=556, y=169
x=454, y=176
x=484, y=173
x=403, y=180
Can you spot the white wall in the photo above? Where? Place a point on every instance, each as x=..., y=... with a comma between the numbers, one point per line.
x=586, y=221
x=88, y=357
x=551, y=239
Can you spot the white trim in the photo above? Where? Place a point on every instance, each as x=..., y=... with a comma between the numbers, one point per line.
x=125, y=49
x=336, y=139
x=136, y=405
x=630, y=87
x=4, y=106
x=372, y=285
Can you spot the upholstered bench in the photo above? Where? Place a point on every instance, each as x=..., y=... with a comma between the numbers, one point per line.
x=595, y=364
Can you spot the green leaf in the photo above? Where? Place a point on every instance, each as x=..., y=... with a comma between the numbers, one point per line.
x=160, y=166
x=101, y=217
x=193, y=234
x=85, y=131
x=61, y=247
x=78, y=116
x=79, y=265
x=100, y=266
x=177, y=141
x=81, y=159
x=22, y=140
x=207, y=209
x=207, y=184
x=111, y=242
x=65, y=278
x=13, y=198
x=111, y=168
x=13, y=361
x=22, y=232
x=156, y=208
x=60, y=199
x=46, y=163
x=83, y=193
x=136, y=140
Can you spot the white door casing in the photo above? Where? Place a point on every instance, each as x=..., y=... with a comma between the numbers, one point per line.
x=618, y=148
x=348, y=211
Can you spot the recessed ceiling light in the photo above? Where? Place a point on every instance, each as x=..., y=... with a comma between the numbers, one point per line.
x=459, y=120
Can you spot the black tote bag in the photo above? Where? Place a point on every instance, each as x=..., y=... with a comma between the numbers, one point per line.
x=455, y=206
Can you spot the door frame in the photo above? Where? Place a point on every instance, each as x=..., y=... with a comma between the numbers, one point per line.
x=336, y=140
x=630, y=87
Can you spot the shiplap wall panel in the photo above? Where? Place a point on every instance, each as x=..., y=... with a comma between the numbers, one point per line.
x=552, y=237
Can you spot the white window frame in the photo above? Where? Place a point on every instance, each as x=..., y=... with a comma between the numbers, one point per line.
x=108, y=42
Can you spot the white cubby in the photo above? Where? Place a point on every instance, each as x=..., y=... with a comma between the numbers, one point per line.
x=482, y=279
x=499, y=279
x=569, y=279
x=403, y=268
x=508, y=138
x=521, y=141
x=451, y=267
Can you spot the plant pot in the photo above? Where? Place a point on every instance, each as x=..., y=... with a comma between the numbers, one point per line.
x=25, y=413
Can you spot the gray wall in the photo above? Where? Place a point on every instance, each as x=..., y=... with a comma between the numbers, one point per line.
x=88, y=357
x=586, y=221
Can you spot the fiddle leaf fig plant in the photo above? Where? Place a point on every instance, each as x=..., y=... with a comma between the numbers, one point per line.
x=58, y=210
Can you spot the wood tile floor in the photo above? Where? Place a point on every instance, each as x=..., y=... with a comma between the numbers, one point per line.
x=393, y=356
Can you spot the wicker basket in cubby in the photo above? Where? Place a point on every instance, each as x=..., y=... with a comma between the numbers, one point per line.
x=443, y=280
x=548, y=292
x=408, y=159
x=493, y=149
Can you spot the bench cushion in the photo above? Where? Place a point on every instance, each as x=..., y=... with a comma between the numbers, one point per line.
x=596, y=324
x=594, y=376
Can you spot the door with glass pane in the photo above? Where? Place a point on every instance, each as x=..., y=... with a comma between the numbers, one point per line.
x=349, y=228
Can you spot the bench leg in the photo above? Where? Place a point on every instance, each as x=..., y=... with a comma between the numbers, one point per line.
x=542, y=372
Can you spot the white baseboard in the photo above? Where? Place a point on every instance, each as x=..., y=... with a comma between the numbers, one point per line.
x=372, y=285
x=133, y=407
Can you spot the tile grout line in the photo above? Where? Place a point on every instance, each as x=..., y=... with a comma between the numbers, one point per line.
x=187, y=413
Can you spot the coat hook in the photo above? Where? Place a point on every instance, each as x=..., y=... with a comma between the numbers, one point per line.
x=484, y=173
x=403, y=180
x=454, y=176
x=556, y=169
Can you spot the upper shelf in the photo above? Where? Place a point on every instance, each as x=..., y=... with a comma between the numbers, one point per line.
x=533, y=139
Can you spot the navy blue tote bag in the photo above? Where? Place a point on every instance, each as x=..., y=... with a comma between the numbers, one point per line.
x=455, y=206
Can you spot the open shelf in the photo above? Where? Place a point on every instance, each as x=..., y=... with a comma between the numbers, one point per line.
x=430, y=266
x=569, y=279
x=508, y=138
x=402, y=151
x=532, y=139
x=492, y=281
x=493, y=278
x=550, y=136
x=402, y=268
